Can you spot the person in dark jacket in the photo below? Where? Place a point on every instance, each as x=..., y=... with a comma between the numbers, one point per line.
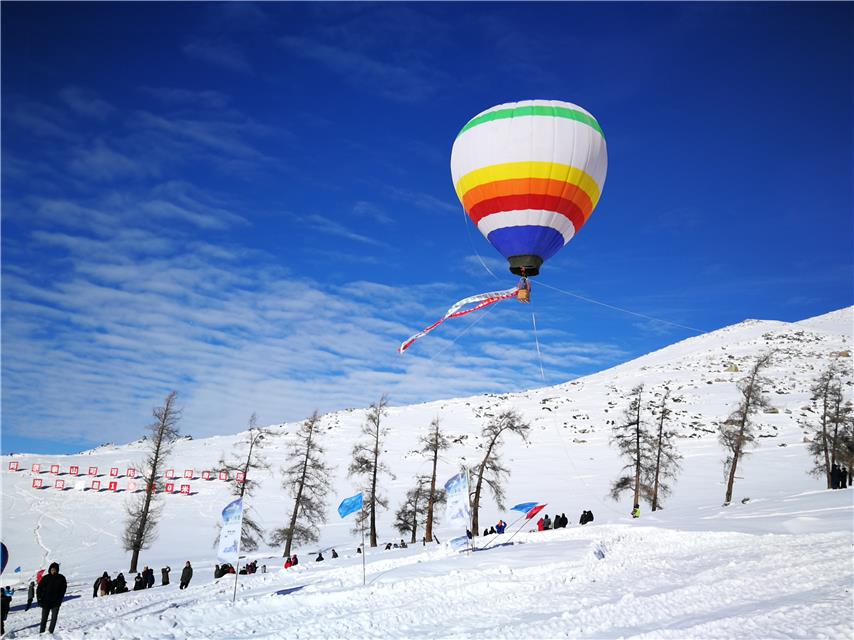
x=334, y=553
x=186, y=575
x=834, y=476
x=96, y=586
x=547, y=522
x=843, y=478
x=50, y=593
x=294, y=560
x=319, y=557
x=138, y=583
x=121, y=585
x=31, y=593
x=148, y=575
x=104, y=586
x=164, y=575
x=6, y=598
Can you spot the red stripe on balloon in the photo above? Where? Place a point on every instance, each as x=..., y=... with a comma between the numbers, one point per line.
x=529, y=201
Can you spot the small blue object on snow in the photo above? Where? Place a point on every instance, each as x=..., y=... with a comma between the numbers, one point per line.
x=599, y=553
x=349, y=505
x=17, y=569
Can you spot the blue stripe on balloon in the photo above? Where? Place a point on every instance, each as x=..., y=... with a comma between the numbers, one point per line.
x=526, y=240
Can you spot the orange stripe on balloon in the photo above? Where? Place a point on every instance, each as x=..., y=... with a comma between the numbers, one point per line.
x=528, y=186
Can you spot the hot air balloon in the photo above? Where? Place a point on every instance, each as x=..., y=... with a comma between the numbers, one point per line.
x=529, y=175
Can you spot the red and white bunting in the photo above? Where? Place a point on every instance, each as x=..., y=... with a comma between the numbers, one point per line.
x=37, y=483
x=54, y=469
x=13, y=466
x=93, y=471
x=59, y=484
x=185, y=489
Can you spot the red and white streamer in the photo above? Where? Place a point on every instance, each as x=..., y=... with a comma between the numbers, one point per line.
x=479, y=301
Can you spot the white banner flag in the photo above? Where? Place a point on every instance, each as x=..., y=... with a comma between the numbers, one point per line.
x=229, y=535
x=457, y=506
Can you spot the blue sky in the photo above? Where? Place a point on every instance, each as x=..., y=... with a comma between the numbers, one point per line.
x=252, y=203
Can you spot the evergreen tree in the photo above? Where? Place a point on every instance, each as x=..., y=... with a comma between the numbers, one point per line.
x=737, y=433
x=413, y=513
x=665, y=454
x=367, y=465
x=632, y=441
x=491, y=470
x=144, y=512
x=307, y=478
x=821, y=445
x=251, y=533
x=431, y=444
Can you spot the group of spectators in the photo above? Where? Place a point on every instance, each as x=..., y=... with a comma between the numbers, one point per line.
x=105, y=585
x=840, y=477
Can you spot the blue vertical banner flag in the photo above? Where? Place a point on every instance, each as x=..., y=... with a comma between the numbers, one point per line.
x=349, y=505
x=457, y=506
x=229, y=535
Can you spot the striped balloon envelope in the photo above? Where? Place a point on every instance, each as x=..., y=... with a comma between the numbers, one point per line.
x=529, y=175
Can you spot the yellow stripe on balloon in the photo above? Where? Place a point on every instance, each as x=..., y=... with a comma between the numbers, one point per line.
x=522, y=170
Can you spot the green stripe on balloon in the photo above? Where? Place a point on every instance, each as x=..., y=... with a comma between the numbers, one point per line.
x=534, y=110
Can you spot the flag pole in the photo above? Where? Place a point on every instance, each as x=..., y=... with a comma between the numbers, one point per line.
x=364, y=551
x=236, y=573
x=471, y=513
x=523, y=524
x=498, y=534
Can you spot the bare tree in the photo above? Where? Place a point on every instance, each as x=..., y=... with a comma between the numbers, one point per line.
x=307, y=479
x=431, y=444
x=821, y=445
x=666, y=456
x=491, y=470
x=737, y=433
x=366, y=464
x=251, y=533
x=631, y=439
x=143, y=512
x=412, y=513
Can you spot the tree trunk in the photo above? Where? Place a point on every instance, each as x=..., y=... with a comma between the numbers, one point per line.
x=415, y=514
x=827, y=462
x=658, y=460
x=637, y=454
x=143, y=522
x=428, y=535
x=476, y=503
x=287, y=553
x=731, y=479
x=374, y=487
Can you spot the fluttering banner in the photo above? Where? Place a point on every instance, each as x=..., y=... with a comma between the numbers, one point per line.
x=457, y=507
x=229, y=535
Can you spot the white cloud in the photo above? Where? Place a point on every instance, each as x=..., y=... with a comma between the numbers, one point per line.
x=221, y=54
x=85, y=103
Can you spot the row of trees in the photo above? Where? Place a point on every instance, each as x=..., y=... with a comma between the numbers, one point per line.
x=652, y=459
x=306, y=476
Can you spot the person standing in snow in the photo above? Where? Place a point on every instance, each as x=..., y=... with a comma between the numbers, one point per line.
x=6, y=597
x=540, y=525
x=138, y=583
x=31, y=593
x=288, y=563
x=834, y=476
x=843, y=478
x=50, y=592
x=121, y=585
x=334, y=553
x=96, y=586
x=164, y=575
x=636, y=511
x=547, y=522
x=148, y=574
x=319, y=557
x=186, y=575
x=104, y=586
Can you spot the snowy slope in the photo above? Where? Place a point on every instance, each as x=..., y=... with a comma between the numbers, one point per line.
x=657, y=574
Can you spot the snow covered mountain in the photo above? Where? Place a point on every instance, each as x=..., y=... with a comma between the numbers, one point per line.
x=646, y=578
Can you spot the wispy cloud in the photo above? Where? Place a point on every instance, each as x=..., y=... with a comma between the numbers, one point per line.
x=331, y=227
x=85, y=103
x=370, y=210
x=100, y=162
x=172, y=96
x=409, y=82
x=221, y=54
